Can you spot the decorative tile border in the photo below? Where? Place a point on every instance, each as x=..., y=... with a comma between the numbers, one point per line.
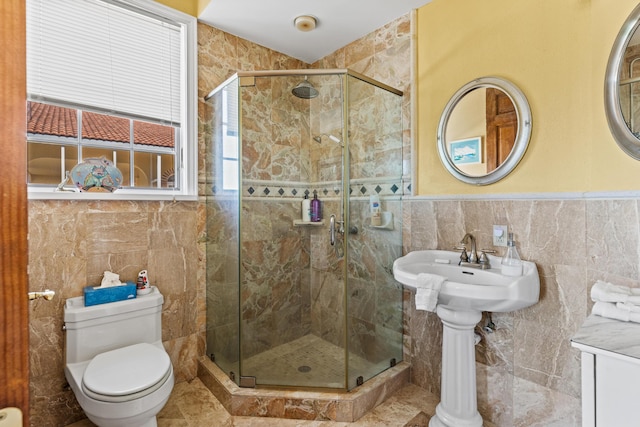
x=382, y=186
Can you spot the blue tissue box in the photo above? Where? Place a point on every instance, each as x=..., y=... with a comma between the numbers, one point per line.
x=94, y=296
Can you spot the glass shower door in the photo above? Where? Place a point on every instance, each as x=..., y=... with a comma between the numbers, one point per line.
x=285, y=306
x=375, y=169
x=292, y=319
x=223, y=226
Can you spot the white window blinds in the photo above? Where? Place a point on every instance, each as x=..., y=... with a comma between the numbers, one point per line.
x=105, y=55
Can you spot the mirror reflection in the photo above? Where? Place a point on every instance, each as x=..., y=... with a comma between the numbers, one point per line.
x=481, y=131
x=484, y=130
x=622, y=87
x=630, y=85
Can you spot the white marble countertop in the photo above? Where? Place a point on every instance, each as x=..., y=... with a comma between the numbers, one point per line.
x=610, y=335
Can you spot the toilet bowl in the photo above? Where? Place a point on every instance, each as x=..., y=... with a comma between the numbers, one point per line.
x=116, y=365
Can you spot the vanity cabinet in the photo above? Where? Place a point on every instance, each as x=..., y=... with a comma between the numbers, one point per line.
x=610, y=372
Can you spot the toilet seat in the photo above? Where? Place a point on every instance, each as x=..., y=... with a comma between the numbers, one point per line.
x=126, y=373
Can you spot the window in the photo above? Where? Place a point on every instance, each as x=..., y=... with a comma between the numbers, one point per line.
x=114, y=79
x=230, y=138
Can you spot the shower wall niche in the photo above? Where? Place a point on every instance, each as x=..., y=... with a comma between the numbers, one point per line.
x=285, y=306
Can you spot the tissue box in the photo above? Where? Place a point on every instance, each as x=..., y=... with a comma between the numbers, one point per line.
x=94, y=296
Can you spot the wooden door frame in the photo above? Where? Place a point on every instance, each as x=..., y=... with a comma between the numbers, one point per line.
x=14, y=323
x=497, y=118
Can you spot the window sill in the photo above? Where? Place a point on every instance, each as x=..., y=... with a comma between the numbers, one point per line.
x=150, y=195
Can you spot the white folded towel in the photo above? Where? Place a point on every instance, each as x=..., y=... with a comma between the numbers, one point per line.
x=616, y=311
x=427, y=290
x=607, y=292
x=628, y=307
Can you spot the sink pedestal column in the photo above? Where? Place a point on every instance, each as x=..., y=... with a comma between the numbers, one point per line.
x=458, y=405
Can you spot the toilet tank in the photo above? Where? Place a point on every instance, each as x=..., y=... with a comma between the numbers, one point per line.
x=98, y=328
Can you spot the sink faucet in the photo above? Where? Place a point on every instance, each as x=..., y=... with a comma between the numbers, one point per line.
x=473, y=256
x=472, y=259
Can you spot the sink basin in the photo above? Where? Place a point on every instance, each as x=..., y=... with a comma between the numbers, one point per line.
x=471, y=288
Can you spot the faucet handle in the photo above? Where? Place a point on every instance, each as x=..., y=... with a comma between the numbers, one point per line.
x=463, y=255
x=483, y=260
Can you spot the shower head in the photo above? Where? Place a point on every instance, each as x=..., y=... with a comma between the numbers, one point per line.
x=305, y=90
x=335, y=139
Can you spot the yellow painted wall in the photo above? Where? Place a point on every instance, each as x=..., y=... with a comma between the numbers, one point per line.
x=202, y=4
x=190, y=7
x=556, y=52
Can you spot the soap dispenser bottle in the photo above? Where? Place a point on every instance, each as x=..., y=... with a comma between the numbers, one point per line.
x=511, y=262
x=316, y=210
x=376, y=213
x=306, y=209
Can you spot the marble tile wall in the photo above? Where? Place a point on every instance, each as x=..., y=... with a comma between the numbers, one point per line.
x=71, y=244
x=275, y=289
x=384, y=55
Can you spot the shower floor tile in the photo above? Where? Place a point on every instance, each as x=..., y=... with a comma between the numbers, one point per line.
x=308, y=361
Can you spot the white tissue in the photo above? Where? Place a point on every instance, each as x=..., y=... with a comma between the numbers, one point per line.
x=110, y=279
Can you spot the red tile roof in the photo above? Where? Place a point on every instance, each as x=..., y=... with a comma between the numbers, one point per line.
x=45, y=119
x=105, y=128
x=49, y=120
x=152, y=134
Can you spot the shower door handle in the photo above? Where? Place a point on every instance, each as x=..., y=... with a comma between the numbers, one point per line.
x=332, y=229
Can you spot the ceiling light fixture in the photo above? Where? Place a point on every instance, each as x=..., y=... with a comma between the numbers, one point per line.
x=305, y=23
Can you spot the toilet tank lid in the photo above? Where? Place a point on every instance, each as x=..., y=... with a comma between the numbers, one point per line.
x=75, y=310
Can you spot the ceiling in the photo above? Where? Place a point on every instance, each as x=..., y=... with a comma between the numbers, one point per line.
x=271, y=23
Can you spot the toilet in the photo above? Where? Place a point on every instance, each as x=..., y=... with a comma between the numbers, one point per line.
x=115, y=362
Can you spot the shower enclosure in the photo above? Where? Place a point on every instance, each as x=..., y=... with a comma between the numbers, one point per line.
x=291, y=302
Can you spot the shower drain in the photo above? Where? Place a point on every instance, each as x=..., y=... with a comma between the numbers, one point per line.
x=304, y=368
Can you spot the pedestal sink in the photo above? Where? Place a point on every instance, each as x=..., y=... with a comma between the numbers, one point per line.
x=464, y=295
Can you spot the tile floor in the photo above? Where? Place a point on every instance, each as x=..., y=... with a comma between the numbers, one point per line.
x=324, y=363
x=192, y=405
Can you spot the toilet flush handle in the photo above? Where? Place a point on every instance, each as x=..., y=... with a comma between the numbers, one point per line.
x=46, y=294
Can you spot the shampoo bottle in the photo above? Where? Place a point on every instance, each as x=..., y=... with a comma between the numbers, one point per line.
x=316, y=210
x=306, y=209
x=376, y=212
x=511, y=262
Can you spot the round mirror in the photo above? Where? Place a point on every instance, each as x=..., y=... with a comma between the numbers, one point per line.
x=622, y=87
x=484, y=131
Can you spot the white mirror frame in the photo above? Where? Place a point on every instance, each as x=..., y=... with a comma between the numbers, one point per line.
x=523, y=135
x=618, y=126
